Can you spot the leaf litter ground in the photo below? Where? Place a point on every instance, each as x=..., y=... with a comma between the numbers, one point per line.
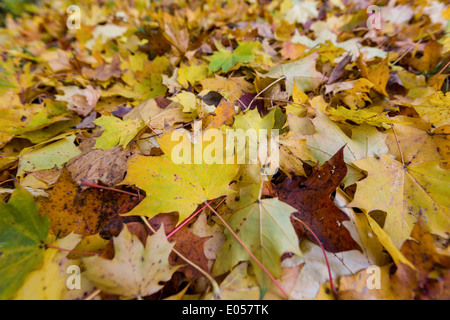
x=357, y=207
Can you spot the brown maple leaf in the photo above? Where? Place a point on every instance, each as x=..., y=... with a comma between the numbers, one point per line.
x=311, y=197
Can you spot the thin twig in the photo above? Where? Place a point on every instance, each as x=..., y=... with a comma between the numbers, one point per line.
x=439, y=73
x=187, y=220
x=6, y=181
x=232, y=95
x=286, y=101
x=214, y=283
x=249, y=252
x=93, y=295
x=72, y=251
x=86, y=183
x=152, y=129
x=251, y=102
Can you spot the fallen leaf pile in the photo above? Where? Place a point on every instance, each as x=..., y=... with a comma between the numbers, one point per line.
x=103, y=194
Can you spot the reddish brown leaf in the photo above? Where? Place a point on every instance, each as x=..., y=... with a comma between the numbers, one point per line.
x=311, y=198
x=86, y=212
x=339, y=70
x=186, y=243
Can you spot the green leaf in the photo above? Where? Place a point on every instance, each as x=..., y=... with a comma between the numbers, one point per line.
x=48, y=157
x=117, y=131
x=244, y=52
x=225, y=59
x=22, y=232
x=264, y=226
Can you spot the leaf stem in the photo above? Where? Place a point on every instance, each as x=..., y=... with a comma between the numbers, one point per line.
x=249, y=252
x=187, y=220
x=6, y=181
x=283, y=100
x=71, y=251
x=86, y=183
x=191, y=217
x=398, y=144
x=324, y=253
x=251, y=102
x=93, y=295
x=439, y=73
x=215, y=285
x=230, y=93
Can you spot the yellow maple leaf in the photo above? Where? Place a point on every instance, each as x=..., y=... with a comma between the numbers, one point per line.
x=404, y=193
x=177, y=187
x=435, y=108
x=135, y=270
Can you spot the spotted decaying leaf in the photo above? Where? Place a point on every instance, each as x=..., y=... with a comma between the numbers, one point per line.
x=86, y=212
x=311, y=197
x=99, y=166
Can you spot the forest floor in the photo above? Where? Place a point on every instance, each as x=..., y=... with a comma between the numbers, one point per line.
x=224, y=149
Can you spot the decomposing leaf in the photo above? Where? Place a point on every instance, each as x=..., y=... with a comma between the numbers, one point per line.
x=311, y=199
x=86, y=212
x=107, y=167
